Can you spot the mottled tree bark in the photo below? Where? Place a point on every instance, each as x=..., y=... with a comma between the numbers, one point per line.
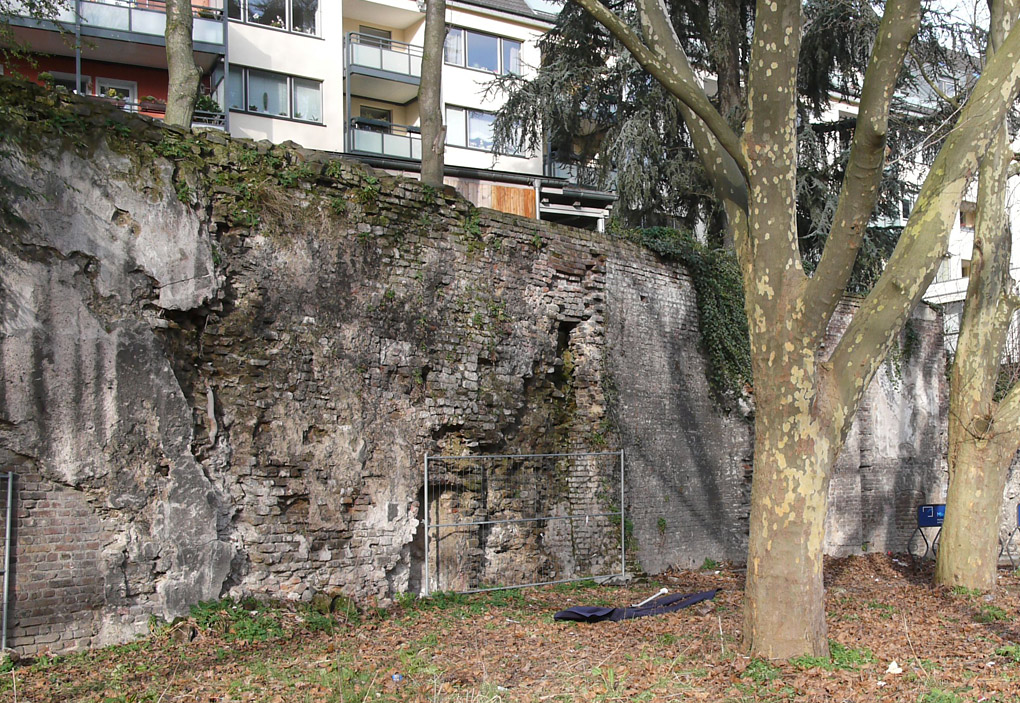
x=805, y=402
x=182, y=88
x=433, y=133
x=984, y=434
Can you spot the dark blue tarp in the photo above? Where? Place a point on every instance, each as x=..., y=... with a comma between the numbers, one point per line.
x=663, y=604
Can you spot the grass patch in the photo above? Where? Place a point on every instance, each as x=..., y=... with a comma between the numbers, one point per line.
x=841, y=657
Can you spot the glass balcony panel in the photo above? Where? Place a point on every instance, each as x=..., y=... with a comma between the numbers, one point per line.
x=416, y=149
x=208, y=31
x=365, y=140
x=148, y=22
x=416, y=66
x=106, y=16
x=394, y=145
x=396, y=61
x=368, y=56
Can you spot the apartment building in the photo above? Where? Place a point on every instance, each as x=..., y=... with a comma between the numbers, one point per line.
x=335, y=75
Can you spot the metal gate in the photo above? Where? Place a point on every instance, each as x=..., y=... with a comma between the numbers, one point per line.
x=7, y=482
x=491, y=518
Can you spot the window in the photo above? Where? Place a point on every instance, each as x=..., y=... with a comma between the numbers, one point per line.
x=384, y=36
x=483, y=52
x=267, y=93
x=274, y=94
x=375, y=119
x=66, y=80
x=300, y=16
x=307, y=100
x=470, y=128
x=126, y=91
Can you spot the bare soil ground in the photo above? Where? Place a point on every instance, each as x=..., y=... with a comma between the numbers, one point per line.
x=504, y=646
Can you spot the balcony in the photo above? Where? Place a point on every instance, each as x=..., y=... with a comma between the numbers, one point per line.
x=201, y=118
x=123, y=31
x=382, y=69
x=380, y=138
x=581, y=174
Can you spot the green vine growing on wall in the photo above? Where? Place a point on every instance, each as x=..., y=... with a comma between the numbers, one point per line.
x=901, y=353
x=720, y=299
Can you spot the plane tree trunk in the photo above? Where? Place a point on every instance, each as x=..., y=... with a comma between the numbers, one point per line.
x=806, y=398
x=984, y=433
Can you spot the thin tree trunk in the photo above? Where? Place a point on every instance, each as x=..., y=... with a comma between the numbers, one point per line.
x=983, y=434
x=433, y=133
x=182, y=88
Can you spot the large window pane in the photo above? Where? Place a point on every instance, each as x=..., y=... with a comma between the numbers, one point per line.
x=453, y=50
x=234, y=9
x=307, y=100
x=511, y=56
x=272, y=13
x=483, y=52
x=480, y=130
x=455, y=127
x=304, y=15
x=267, y=93
x=235, y=90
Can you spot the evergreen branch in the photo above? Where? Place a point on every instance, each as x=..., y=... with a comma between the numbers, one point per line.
x=684, y=88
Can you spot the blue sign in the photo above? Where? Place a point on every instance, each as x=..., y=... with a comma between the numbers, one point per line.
x=935, y=515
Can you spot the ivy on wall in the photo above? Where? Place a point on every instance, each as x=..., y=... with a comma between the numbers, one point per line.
x=720, y=298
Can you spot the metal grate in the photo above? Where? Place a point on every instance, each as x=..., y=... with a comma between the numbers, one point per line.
x=514, y=520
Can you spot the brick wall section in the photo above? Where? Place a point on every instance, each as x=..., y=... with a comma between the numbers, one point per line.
x=335, y=352
x=58, y=588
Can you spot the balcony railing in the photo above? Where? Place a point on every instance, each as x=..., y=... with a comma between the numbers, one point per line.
x=385, y=139
x=587, y=175
x=143, y=17
x=384, y=55
x=201, y=118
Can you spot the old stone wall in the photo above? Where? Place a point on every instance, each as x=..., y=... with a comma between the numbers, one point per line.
x=222, y=380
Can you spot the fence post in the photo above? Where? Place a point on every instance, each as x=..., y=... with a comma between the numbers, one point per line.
x=623, y=523
x=425, y=510
x=7, y=558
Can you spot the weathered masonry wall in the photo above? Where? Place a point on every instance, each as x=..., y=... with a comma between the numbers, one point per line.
x=197, y=404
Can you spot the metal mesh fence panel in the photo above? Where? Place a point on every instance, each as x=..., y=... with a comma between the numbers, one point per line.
x=505, y=521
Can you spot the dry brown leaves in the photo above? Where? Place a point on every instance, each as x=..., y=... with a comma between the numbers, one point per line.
x=508, y=648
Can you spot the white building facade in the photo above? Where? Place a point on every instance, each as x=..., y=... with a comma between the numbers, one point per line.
x=341, y=76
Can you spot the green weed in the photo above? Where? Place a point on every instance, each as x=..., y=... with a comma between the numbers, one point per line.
x=937, y=695
x=1010, y=651
x=247, y=620
x=991, y=613
x=840, y=657
x=760, y=671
